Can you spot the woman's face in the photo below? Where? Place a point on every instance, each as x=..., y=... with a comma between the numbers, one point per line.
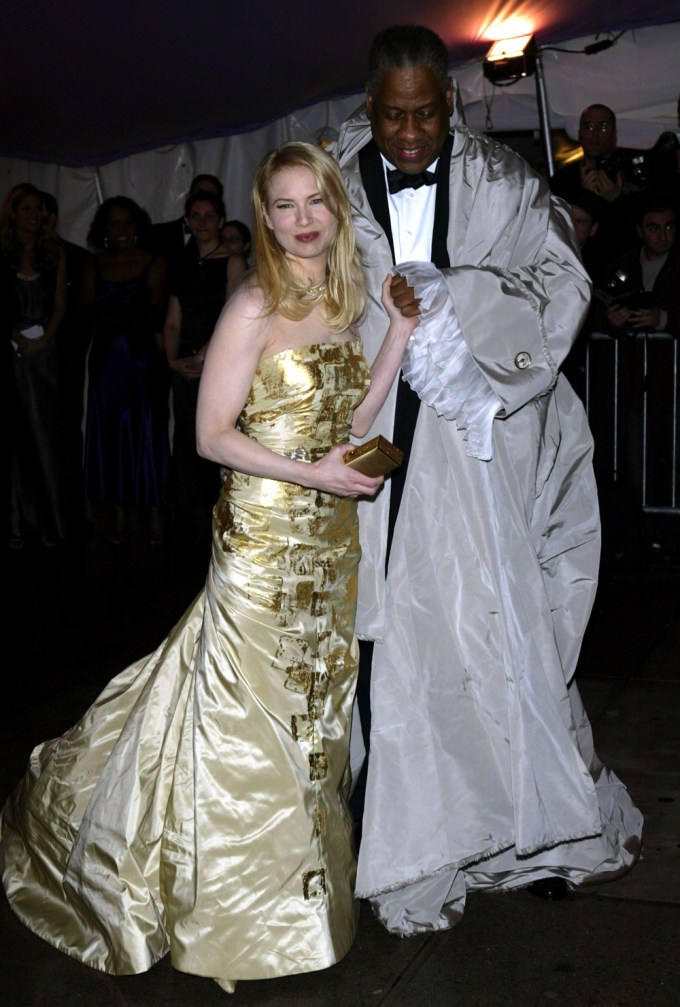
x=204, y=222
x=302, y=223
x=234, y=240
x=29, y=214
x=120, y=228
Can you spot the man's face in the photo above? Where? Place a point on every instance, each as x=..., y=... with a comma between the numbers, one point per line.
x=597, y=133
x=409, y=116
x=657, y=232
x=583, y=224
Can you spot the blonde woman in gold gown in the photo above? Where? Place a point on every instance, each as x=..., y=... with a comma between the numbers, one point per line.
x=199, y=806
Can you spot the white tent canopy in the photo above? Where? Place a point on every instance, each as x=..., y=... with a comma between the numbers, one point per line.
x=638, y=77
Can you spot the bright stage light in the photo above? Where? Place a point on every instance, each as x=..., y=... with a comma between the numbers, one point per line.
x=509, y=59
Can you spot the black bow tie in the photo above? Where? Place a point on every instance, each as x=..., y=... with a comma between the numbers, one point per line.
x=398, y=180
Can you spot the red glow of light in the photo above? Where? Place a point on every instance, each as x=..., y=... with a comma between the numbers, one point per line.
x=508, y=20
x=508, y=29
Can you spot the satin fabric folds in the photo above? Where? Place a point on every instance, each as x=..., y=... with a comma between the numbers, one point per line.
x=199, y=805
x=482, y=772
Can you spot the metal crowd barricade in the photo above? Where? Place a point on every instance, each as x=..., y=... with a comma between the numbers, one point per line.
x=631, y=397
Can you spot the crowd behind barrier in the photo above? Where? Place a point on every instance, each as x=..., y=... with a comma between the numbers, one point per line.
x=629, y=386
x=91, y=347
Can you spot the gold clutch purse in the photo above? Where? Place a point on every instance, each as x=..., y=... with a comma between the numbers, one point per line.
x=376, y=457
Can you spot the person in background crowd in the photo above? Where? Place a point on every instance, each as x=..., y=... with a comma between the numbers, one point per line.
x=604, y=172
x=585, y=210
x=599, y=169
x=236, y=237
x=662, y=164
x=72, y=343
x=76, y=256
x=33, y=287
x=127, y=451
x=652, y=269
x=206, y=276
x=640, y=299
x=170, y=239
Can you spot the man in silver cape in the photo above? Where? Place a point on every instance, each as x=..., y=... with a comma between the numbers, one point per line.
x=482, y=772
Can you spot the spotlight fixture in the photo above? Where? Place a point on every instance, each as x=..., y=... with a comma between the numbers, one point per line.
x=509, y=59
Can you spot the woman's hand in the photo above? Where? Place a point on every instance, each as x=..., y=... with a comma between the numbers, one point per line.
x=331, y=474
x=29, y=347
x=188, y=367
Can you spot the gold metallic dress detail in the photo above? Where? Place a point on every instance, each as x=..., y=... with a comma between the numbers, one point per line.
x=199, y=806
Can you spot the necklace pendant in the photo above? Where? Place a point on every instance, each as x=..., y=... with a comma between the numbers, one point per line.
x=316, y=290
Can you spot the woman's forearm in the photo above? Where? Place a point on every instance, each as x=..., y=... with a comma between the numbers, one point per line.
x=235, y=450
x=383, y=372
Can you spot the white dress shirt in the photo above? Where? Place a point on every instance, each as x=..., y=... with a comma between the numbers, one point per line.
x=412, y=219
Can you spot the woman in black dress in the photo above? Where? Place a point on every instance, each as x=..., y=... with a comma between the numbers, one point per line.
x=206, y=277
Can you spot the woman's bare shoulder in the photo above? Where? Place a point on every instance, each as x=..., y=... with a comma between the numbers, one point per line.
x=248, y=303
x=244, y=316
x=248, y=298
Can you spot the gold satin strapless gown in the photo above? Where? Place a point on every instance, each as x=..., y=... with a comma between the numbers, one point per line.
x=199, y=806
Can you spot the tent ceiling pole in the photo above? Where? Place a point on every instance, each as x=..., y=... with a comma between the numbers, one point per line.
x=543, y=115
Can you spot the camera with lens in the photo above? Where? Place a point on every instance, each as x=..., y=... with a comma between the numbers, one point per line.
x=611, y=166
x=642, y=169
x=620, y=291
x=658, y=166
x=633, y=168
x=647, y=168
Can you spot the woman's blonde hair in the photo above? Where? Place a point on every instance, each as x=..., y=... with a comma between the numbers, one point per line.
x=345, y=296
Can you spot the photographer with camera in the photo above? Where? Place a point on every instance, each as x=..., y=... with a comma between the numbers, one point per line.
x=599, y=170
x=609, y=176
x=643, y=294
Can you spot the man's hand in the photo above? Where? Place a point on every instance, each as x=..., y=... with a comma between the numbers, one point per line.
x=404, y=297
x=599, y=182
x=617, y=316
x=645, y=318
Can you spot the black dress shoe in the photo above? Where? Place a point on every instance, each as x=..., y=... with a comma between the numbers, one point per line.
x=551, y=889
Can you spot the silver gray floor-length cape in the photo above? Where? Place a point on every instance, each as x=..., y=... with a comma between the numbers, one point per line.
x=482, y=771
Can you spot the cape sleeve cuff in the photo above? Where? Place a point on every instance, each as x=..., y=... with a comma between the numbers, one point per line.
x=439, y=366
